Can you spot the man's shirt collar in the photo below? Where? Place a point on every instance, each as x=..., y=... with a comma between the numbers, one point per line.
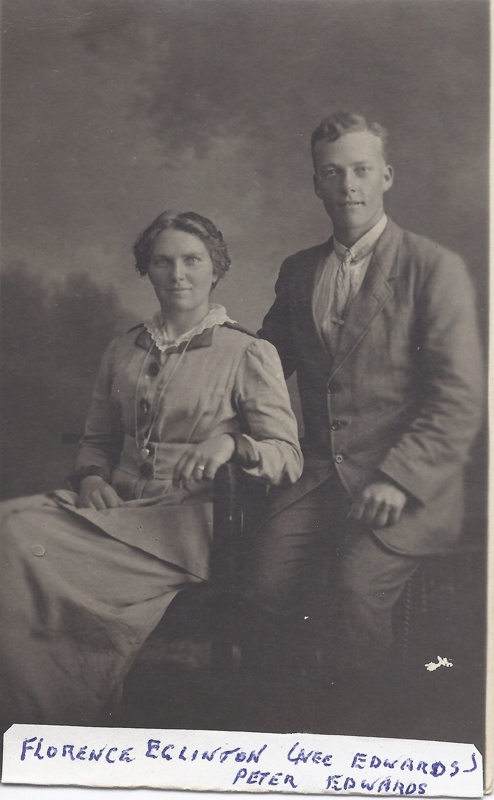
x=365, y=245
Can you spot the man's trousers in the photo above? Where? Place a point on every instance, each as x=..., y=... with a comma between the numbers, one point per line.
x=311, y=563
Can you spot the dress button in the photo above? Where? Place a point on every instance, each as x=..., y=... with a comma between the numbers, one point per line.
x=146, y=470
x=153, y=369
x=38, y=549
x=339, y=458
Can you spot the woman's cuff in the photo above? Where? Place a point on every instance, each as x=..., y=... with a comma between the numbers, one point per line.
x=244, y=454
x=74, y=479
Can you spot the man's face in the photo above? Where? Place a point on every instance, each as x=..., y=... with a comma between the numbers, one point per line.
x=351, y=177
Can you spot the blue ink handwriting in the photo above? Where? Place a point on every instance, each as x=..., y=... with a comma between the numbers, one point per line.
x=297, y=754
x=436, y=769
x=218, y=754
x=258, y=777
x=73, y=752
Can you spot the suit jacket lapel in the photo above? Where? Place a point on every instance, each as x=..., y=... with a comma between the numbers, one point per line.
x=306, y=305
x=374, y=293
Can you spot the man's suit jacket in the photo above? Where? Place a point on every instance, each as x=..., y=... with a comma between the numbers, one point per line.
x=402, y=394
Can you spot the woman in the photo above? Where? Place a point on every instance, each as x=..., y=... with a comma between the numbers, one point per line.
x=90, y=572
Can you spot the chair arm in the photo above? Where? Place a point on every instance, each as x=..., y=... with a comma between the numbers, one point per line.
x=238, y=504
x=227, y=525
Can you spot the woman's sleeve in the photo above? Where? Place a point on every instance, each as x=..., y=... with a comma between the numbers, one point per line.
x=100, y=447
x=269, y=448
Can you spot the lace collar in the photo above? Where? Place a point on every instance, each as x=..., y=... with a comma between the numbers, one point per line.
x=216, y=316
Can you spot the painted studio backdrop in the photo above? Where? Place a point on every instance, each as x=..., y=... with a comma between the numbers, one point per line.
x=114, y=110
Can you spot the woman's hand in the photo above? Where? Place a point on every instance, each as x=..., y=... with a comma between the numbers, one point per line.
x=202, y=461
x=96, y=493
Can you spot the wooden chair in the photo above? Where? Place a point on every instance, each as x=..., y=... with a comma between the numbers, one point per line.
x=195, y=648
x=442, y=611
x=214, y=608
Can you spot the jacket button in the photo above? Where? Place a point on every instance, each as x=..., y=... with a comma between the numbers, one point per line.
x=339, y=458
x=333, y=388
x=38, y=549
x=146, y=470
x=153, y=369
x=144, y=404
x=336, y=426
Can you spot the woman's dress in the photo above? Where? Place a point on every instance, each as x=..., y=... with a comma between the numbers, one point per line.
x=82, y=589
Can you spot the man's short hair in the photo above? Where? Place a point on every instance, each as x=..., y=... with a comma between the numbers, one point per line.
x=338, y=124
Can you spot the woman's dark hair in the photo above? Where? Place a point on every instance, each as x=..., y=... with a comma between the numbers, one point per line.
x=189, y=222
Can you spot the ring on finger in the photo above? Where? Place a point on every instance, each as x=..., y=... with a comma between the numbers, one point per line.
x=200, y=467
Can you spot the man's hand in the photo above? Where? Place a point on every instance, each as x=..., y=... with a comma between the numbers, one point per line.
x=96, y=493
x=203, y=460
x=379, y=504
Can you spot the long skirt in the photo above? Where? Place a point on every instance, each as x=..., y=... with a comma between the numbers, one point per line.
x=76, y=603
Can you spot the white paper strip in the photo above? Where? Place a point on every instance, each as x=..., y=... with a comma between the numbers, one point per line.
x=236, y=761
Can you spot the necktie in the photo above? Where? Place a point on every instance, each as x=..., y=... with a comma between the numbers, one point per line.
x=342, y=289
x=335, y=316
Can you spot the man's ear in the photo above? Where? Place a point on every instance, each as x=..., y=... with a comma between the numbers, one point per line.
x=388, y=177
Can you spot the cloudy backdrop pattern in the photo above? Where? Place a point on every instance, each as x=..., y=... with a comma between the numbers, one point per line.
x=114, y=110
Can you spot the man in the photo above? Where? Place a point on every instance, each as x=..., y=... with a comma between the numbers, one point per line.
x=379, y=326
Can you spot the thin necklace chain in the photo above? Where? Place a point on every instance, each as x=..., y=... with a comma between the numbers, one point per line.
x=145, y=441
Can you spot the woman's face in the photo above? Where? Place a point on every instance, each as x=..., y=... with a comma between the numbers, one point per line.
x=182, y=274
